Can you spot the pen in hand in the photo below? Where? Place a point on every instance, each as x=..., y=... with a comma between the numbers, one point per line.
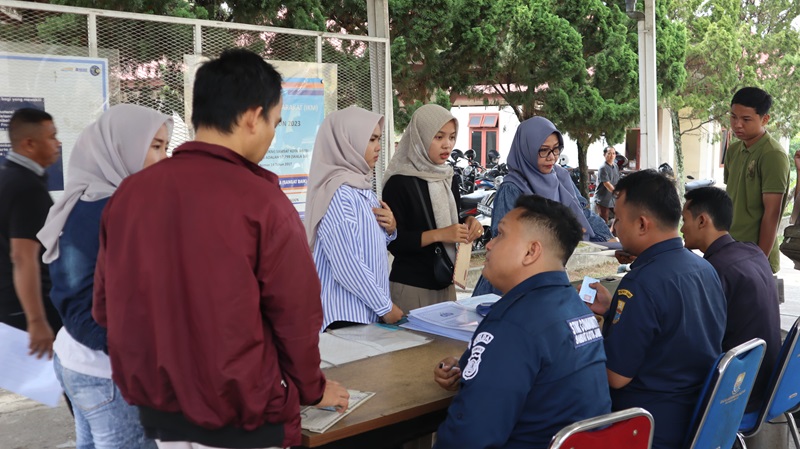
x=454, y=367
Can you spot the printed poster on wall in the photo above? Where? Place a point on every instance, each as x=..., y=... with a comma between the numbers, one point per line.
x=309, y=93
x=74, y=90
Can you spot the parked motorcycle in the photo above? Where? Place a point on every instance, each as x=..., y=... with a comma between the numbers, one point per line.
x=666, y=170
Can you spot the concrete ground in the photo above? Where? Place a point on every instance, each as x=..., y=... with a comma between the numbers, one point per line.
x=25, y=424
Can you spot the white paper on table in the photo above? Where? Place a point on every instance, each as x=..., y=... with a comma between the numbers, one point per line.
x=24, y=374
x=336, y=350
x=318, y=420
x=379, y=337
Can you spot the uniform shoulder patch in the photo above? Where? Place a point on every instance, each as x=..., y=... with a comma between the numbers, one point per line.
x=618, y=313
x=585, y=330
x=473, y=363
x=625, y=292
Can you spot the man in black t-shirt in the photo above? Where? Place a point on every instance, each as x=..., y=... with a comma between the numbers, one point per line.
x=24, y=204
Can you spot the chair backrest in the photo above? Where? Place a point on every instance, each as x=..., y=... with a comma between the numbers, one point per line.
x=724, y=396
x=783, y=387
x=785, y=395
x=630, y=429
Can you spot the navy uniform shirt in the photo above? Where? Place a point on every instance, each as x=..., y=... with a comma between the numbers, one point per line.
x=753, y=310
x=534, y=366
x=664, y=330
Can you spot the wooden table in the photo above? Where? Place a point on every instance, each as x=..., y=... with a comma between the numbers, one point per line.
x=407, y=402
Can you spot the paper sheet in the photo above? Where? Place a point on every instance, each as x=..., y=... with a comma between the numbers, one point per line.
x=461, y=266
x=336, y=350
x=318, y=420
x=352, y=343
x=25, y=374
x=381, y=338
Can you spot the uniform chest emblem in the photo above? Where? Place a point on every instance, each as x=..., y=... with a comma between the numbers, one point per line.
x=751, y=169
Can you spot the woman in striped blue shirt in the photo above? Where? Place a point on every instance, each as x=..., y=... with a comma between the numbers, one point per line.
x=347, y=227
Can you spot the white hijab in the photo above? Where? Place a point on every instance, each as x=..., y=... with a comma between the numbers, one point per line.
x=338, y=159
x=106, y=152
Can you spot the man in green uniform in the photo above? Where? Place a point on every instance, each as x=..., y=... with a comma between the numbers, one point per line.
x=756, y=173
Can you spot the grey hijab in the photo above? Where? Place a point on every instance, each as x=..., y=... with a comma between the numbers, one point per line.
x=524, y=169
x=338, y=159
x=106, y=152
x=411, y=159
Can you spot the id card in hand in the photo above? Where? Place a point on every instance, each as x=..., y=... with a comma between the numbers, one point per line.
x=587, y=293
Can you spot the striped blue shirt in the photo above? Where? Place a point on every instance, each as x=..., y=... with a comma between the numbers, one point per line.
x=351, y=258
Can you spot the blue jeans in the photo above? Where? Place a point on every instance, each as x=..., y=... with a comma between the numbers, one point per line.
x=103, y=420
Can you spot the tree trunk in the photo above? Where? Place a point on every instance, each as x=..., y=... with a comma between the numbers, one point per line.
x=583, y=185
x=676, y=139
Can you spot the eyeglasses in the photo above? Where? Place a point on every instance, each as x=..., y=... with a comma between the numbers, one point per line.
x=545, y=152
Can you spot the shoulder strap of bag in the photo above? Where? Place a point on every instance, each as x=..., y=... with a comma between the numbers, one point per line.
x=422, y=203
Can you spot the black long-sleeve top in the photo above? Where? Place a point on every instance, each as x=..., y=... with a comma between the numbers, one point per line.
x=413, y=263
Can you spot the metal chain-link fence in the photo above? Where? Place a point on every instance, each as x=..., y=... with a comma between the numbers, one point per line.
x=146, y=54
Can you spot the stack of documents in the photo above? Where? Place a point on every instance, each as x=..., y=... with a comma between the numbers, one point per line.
x=448, y=319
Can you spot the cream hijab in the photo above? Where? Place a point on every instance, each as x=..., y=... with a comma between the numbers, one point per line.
x=338, y=159
x=107, y=151
x=411, y=159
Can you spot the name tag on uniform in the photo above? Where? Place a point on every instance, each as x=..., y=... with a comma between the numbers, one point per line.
x=585, y=330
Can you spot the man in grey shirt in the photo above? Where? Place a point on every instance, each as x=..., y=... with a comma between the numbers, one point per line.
x=607, y=177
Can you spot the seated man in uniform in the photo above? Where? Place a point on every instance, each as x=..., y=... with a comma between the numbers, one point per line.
x=746, y=278
x=535, y=363
x=664, y=325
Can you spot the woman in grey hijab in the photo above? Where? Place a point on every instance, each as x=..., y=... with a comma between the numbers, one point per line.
x=534, y=170
x=347, y=228
x=123, y=141
x=419, y=188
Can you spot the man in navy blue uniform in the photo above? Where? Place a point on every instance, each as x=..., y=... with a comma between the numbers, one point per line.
x=746, y=276
x=535, y=363
x=664, y=325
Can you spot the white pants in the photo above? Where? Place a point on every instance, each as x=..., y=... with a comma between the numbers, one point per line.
x=186, y=445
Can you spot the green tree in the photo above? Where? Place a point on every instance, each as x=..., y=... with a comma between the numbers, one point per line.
x=602, y=98
x=732, y=44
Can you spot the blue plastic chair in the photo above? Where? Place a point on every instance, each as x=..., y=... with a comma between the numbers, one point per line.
x=783, y=391
x=724, y=397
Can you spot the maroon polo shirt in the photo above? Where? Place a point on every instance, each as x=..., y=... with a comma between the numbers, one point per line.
x=207, y=287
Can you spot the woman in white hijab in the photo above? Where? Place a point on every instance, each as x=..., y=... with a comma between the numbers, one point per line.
x=123, y=141
x=347, y=228
x=419, y=188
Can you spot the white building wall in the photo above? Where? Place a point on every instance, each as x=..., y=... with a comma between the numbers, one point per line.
x=507, y=126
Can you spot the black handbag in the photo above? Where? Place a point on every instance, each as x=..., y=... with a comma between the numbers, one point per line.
x=791, y=244
x=442, y=265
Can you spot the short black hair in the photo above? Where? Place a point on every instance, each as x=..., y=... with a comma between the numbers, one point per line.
x=555, y=218
x=226, y=87
x=605, y=150
x=753, y=97
x=652, y=192
x=713, y=201
x=23, y=117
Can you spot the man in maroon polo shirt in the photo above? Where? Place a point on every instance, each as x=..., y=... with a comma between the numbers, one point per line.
x=205, y=281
